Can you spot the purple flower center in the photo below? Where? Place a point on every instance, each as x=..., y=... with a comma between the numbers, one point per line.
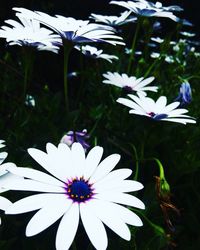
x=79, y=190
x=157, y=116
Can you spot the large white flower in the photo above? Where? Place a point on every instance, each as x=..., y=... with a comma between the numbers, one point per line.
x=75, y=31
x=130, y=83
x=93, y=52
x=158, y=110
x=114, y=20
x=83, y=188
x=149, y=9
x=28, y=32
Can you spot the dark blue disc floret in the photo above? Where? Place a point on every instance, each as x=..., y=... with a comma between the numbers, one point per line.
x=79, y=190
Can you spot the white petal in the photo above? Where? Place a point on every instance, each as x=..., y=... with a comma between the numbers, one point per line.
x=93, y=227
x=4, y=203
x=116, y=175
x=121, y=198
x=78, y=160
x=110, y=217
x=31, y=203
x=7, y=179
x=3, y=156
x=46, y=216
x=30, y=185
x=121, y=186
x=105, y=167
x=36, y=175
x=67, y=228
x=92, y=161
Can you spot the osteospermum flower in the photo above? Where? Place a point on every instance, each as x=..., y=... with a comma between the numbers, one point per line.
x=77, y=187
x=149, y=9
x=28, y=32
x=158, y=110
x=72, y=30
x=185, y=94
x=93, y=52
x=130, y=83
x=114, y=21
x=76, y=136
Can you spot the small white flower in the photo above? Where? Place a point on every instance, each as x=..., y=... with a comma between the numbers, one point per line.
x=28, y=32
x=30, y=101
x=130, y=83
x=83, y=188
x=157, y=39
x=95, y=53
x=158, y=110
x=72, y=30
x=114, y=20
x=149, y=9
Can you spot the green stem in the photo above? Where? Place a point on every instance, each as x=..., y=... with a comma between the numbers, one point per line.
x=28, y=61
x=67, y=50
x=131, y=58
x=136, y=163
x=152, y=66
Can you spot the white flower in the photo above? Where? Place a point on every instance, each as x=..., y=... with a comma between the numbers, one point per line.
x=114, y=20
x=157, y=39
x=83, y=188
x=30, y=101
x=130, y=83
x=28, y=32
x=95, y=53
x=75, y=31
x=149, y=9
x=158, y=110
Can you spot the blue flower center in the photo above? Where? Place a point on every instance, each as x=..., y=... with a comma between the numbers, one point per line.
x=157, y=116
x=79, y=190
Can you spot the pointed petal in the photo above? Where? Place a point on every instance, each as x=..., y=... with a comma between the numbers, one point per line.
x=48, y=215
x=121, y=198
x=67, y=228
x=105, y=167
x=110, y=217
x=92, y=161
x=93, y=227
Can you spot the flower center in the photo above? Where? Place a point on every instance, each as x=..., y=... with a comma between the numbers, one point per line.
x=157, y=116
x=79, y=190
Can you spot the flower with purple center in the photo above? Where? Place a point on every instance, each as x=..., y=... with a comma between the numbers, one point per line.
x=185, y=94
x=130, y=83
x=76, y=136
x=28, y=32
x=73, y=31
x=157, y=110
x=78, y=187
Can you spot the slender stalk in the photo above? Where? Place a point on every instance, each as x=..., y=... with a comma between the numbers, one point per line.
x=136, y=162
x=67, y=50
x=131, y=58
x=28, y=60
x=152, y=66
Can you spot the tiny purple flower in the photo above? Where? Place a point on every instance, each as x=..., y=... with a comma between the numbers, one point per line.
x=76, y=136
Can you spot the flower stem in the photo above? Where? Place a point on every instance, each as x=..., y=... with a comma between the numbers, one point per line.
x=67, y=50
x=131, y=58
x=28, y=60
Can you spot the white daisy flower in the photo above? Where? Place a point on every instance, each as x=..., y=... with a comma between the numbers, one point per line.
x=75, y=31
x=95, y=53
x=157, y=39
x=82, y=188
x=158, y=110
x=149, y=9
x=28, y=32
x=130, y=83
x=114, y=20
